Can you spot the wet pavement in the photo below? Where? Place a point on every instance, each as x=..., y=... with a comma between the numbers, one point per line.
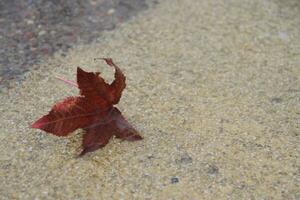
x=34, y=30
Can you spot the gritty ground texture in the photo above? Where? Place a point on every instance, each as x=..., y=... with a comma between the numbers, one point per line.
x=34, y=30
x=214, y=89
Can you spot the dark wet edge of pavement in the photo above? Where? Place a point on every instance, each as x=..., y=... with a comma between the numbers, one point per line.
x=34, y=30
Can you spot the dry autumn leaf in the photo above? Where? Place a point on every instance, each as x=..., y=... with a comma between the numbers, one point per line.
x=93, y=111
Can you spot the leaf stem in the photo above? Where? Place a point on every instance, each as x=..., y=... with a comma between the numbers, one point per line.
x=67, y=81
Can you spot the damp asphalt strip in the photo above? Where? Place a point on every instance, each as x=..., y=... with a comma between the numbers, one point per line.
x=32, y=31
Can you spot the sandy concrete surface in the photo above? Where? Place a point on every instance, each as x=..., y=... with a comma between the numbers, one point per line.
x=212, y=86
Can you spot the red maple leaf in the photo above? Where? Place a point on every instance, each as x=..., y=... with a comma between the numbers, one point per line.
x=92, y=111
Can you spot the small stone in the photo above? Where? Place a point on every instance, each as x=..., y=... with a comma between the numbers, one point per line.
x=29, y=21
x=28, y=35
x=276, y=100
x=111, y=11
x=41, y=33
x=283, y=35
x=185, y=159
x=150, y=156
x=212, y=170
x=174, y=180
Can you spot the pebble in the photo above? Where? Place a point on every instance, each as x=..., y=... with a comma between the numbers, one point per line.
x=111, y=11
x=41, y=33
x=174, y=180
x=29, y=22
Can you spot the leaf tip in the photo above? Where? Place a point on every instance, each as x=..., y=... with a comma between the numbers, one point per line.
x=34, y=125
x=108, y=61
x=38, y=124
x=79, y=69
x=134, y=138
x=82, y=153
